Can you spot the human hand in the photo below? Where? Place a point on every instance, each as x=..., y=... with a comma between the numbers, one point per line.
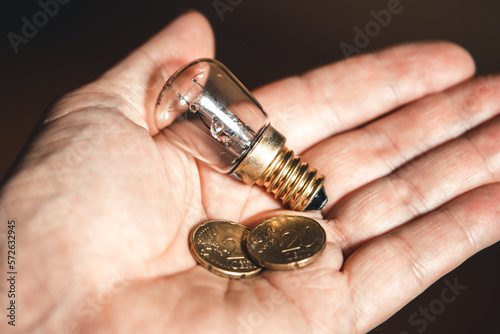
x=104, y=205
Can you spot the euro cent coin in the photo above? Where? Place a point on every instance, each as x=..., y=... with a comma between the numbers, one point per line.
x=218, y=245
x=286, y=242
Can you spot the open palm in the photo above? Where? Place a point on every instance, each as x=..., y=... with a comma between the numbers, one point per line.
x=104, y=205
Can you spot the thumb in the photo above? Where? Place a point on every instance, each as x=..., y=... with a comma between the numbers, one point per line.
x=133, y=85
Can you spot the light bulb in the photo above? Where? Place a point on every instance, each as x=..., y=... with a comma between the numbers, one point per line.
x=206, y=111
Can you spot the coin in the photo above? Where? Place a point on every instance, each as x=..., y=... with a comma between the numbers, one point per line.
x=217, y=246
x=286, y=242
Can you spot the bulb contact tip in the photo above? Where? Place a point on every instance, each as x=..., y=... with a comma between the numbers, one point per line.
x=319, y=201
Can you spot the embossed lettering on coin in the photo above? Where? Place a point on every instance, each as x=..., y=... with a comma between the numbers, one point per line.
x=286, y=242
x=217, y=246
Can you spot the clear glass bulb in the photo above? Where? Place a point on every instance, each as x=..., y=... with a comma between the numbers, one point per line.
x=206, y=111
x=214, y=117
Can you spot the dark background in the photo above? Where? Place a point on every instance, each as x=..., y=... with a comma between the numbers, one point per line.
x=260, y=41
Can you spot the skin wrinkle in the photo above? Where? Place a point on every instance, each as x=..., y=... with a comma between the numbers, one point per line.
x=396, y=100
x=374, y=135
x=373, y=201
x=69, y=151
x=341, y=204
x=189, y=185
x=161, y=72
x=481, y=156
x=111, y=101
x=334, y=124
x=354, y=297
x=491, y=230
x=49, y=123
x=318, y=327
x=335, y=226
x=130, y=97
x=152, y=262
x=412, y=258
x=314, y=274
x=203, y=199
x=465, y=123
x=347, y=199
x=161, y=76
x=246, y=203
x=416, y=208
x=126, y=94
x=124, y=90
x=456, y=221
x=40, y=156
x=227, y=291
x=454, y=154
x=291, y=302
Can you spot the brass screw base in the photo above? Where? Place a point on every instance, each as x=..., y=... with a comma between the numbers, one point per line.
x=291, y=180
x=272, y=165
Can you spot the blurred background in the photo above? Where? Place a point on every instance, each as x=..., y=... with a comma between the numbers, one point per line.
x=260, y=41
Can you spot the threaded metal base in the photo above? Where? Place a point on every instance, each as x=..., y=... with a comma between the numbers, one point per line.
x=291, y=180
x=272, y=165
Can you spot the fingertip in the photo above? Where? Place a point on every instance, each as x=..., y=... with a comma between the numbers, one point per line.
x=426, y=67
x=457, y=56
x=140, y=77
x=188, y=37
x=191, y=37
x=195, y=27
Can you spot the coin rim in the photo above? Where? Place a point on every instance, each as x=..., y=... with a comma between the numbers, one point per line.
x=291, y=265
x=213, y=268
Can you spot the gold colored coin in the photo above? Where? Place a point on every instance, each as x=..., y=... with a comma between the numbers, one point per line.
x=286, y=242
x=217, y=245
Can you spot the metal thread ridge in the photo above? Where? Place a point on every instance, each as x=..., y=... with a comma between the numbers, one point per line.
x=291, y=180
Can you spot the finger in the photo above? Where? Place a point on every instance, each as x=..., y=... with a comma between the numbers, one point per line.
x=451, y=170
x=344, y=95
x=358, y=157
x=133, y=85
x=423, y=185
x=393, y=269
